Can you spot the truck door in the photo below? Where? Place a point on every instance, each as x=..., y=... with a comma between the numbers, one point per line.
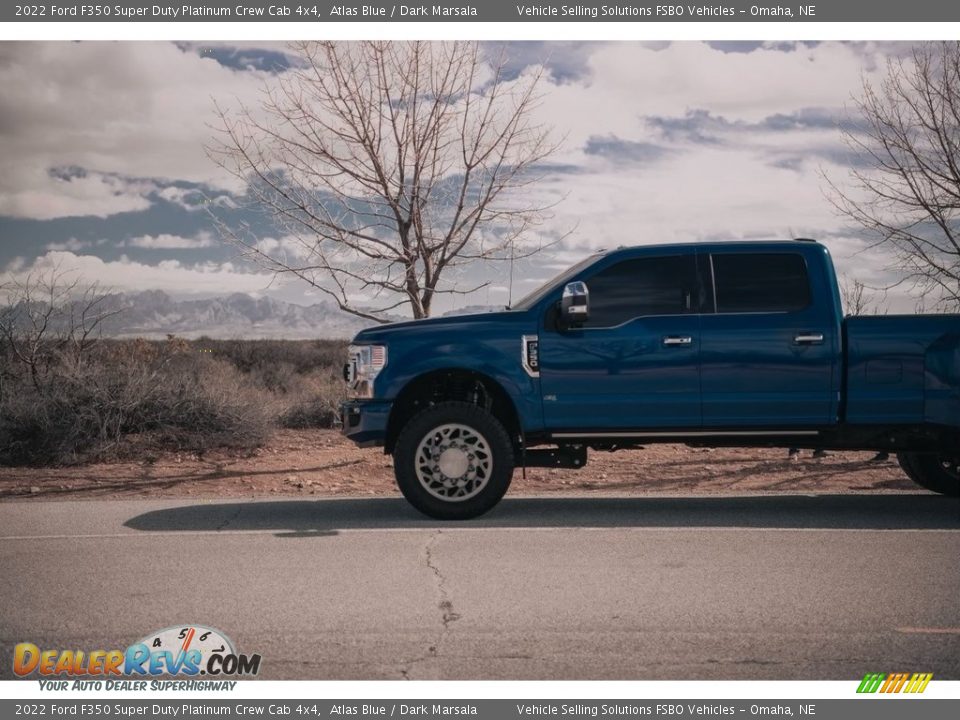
x=770, y=350
x=635, y=362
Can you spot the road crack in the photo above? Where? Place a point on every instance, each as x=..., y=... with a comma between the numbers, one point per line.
x=445, y=605
x=448, y=614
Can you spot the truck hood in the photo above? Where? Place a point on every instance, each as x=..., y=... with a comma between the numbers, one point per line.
x=444, y=326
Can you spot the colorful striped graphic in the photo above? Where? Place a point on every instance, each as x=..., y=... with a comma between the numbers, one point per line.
x=894, y=682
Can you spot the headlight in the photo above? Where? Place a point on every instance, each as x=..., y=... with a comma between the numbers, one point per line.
x=364, y=363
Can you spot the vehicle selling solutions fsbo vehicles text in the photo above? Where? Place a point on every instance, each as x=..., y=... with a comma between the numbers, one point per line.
x=594, y=11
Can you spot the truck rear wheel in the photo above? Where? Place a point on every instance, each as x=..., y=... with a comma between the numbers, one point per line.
x=453, y=461
x=933, y=472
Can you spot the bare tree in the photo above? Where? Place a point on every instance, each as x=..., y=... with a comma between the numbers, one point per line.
x=49, y=317
x=858, y=299
x=907, y=194
x=386, y=165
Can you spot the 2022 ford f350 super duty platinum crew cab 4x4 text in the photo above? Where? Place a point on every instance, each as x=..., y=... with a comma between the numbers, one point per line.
x=740, y=343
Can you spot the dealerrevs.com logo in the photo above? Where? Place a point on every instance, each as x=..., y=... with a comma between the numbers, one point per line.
x=189, y=650
x=894, y=682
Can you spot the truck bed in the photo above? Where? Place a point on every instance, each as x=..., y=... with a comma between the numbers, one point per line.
x=902, y=369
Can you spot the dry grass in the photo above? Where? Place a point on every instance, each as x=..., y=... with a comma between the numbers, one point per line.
x=126, y=397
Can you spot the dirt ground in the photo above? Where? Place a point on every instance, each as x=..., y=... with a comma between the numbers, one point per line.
x=321, y=462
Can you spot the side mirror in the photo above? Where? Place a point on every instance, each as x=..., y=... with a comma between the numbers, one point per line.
x=575, y=304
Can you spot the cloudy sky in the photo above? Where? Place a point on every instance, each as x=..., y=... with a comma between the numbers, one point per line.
x=105, y=173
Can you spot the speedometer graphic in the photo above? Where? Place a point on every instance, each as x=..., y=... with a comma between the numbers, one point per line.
x=182, y=639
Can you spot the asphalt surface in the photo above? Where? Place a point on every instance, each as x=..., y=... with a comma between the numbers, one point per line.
x=786, y=587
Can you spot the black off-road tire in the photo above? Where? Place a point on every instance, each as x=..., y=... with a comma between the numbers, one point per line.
x=905, y=461
x=931, y=471
x=454, y=426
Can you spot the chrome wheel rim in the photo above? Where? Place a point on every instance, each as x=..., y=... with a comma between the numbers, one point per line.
x=454, y=462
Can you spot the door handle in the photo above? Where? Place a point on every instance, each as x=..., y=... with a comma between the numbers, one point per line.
x=678, y=340
x=808, y=338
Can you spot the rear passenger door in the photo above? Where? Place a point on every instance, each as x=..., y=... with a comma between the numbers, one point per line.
x=768, y=352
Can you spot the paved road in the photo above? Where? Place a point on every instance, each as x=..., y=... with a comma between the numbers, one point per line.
x=794, y=587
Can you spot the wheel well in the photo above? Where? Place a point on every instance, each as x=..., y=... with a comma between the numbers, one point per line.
x=445, y=385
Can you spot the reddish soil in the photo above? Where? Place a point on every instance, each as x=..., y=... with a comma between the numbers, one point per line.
x=320, y=462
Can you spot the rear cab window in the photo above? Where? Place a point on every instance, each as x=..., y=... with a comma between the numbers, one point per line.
x=760, y=282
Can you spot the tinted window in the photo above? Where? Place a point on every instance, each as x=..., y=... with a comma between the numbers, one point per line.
x=644, y=286
x=761, y=282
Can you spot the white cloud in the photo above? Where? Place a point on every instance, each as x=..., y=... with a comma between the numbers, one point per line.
x=179, y=196
x=31, y=191
x=287, y=247
x=125, y=274
x=72, y=244
x=116, y=110
x=628, y=82
x=748, y=179
x=172, y=242
x=16, y=265
x=193, y=199
x=702, y=193
x=142, y=110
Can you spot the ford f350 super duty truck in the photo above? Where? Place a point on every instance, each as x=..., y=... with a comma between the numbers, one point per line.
x=719, y=344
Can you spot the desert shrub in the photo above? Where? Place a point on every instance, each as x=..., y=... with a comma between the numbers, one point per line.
x=280, y=378
x=262, y=356
x=304, y=375
x=317, y=404
x=90, y=408
x=122, y=395
x=68, y=394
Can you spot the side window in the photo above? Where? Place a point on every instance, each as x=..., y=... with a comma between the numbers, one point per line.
x=642, y=286
x=761, y=282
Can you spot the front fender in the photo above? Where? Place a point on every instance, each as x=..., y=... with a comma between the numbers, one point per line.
x=498, y=359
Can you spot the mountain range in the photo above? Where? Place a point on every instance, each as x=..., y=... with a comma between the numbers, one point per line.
x=155, y=314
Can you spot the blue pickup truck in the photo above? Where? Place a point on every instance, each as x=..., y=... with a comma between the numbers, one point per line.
x=719, y=344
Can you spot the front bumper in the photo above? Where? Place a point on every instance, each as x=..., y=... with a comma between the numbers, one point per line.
x=365, y=421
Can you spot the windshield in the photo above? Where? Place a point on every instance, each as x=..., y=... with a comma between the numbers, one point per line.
x=537, y=295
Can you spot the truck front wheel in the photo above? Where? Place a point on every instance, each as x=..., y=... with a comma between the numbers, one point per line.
x=933, y=472
x=453, y=461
